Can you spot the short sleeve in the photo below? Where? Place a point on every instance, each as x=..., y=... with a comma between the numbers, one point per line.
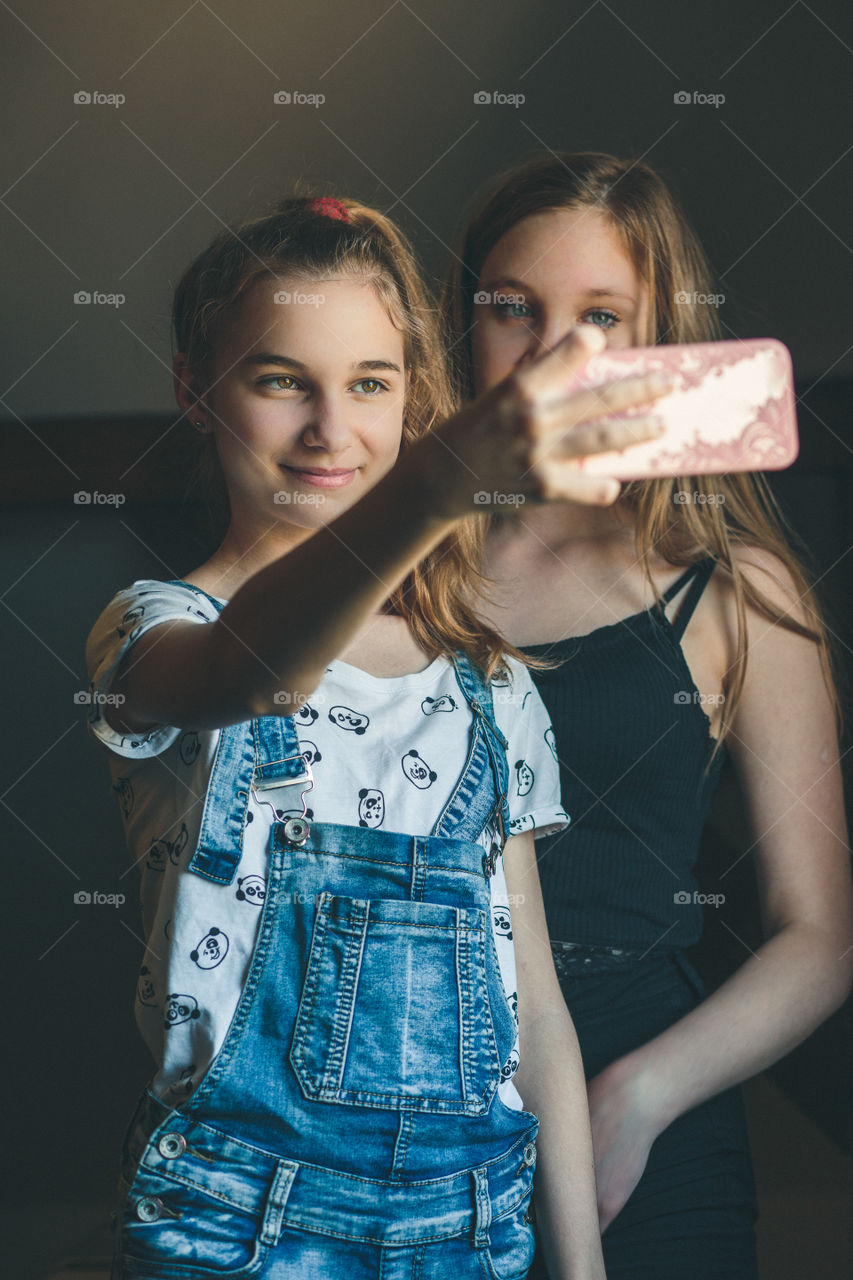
x=534, y=796
x=131, y=612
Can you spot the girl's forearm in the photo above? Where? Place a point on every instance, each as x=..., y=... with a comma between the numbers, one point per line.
x=289, y=620
x=552, y=1085
x=778, y=996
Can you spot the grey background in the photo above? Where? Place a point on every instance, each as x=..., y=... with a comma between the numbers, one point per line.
x=120, y=199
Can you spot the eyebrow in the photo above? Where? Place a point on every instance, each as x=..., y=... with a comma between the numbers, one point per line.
x=588, y=293
x=269, y=357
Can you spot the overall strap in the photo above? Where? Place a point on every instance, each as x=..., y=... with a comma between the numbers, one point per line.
x=466, y=813
x=700, y=573
x=263, y=753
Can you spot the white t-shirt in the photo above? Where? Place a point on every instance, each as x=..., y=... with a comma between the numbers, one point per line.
x=200, y=935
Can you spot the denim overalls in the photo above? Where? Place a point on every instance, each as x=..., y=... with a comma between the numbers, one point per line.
x=350, y=1123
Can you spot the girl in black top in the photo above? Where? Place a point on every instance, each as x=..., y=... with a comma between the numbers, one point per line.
x=652, y=606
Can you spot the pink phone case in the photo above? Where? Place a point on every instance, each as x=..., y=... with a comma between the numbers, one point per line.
x=732, y=409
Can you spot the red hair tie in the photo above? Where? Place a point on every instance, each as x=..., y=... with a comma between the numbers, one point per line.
x=329, y=207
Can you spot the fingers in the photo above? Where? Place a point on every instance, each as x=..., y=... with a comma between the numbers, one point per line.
x=597, y=437
x=609, y=398
x=559, y=482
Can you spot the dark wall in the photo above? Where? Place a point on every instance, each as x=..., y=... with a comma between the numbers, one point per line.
x=118, y=199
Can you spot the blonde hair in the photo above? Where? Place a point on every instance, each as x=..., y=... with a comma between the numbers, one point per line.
x=312, y=237
x=668, y=257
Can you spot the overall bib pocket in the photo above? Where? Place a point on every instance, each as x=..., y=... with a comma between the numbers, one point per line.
x=394, y=1010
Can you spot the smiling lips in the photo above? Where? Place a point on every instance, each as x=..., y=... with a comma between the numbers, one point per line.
x=322, y=477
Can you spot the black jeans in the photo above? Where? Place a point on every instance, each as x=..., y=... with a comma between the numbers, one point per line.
x=691, y=1215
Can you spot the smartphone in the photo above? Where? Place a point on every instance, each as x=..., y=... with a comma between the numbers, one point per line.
x=732, y=409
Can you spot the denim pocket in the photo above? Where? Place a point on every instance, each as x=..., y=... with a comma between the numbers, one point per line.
x=175, y=1231
x=511, y=1246
x=394, y=1010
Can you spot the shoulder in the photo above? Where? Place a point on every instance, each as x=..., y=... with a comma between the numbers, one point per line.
x=770, y=577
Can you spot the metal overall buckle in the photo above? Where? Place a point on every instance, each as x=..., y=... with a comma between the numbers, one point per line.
x=296, y=830
x=490, y=859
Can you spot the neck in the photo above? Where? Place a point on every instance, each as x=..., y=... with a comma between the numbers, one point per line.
x=554, y=523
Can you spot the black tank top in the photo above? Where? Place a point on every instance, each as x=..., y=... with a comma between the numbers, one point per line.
x=633, y=742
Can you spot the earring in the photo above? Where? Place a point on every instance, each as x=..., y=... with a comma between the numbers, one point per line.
x=199, y=425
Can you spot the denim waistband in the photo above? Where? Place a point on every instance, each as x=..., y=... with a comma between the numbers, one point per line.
x=293, y=1193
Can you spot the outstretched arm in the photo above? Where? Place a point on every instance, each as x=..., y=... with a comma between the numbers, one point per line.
x=290, y=619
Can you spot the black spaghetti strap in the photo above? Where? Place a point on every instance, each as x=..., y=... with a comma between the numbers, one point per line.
x=701, y=572
x=676, y=586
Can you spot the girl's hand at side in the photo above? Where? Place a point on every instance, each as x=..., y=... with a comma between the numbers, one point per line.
x=522, y=436
x=624, y=1126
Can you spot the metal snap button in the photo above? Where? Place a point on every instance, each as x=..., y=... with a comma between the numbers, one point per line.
x=296, y=830
x=172, y=1145
x=529, y=1153
x=149, y=1208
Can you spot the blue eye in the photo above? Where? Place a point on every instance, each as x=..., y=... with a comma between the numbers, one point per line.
x=607, y=321
x=513, y=310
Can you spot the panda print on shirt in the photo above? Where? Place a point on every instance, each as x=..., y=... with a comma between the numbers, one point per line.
x=212, y=949
x=146, y=992
x=417, y=770
x=502, y=921
x=189, y=747
x=524, y=778
x=429, y=706
x=180, y=1008
x=251, y=889
x=371, y=807
x=162, y=849
x=346, y=718
x=123, y=790
x=305, y=716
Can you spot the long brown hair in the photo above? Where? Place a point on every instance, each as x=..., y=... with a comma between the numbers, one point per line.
x=669, y=258
x=311, y=238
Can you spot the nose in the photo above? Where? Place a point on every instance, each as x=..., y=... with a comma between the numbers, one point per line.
x=544, y=336
x=327, y=427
